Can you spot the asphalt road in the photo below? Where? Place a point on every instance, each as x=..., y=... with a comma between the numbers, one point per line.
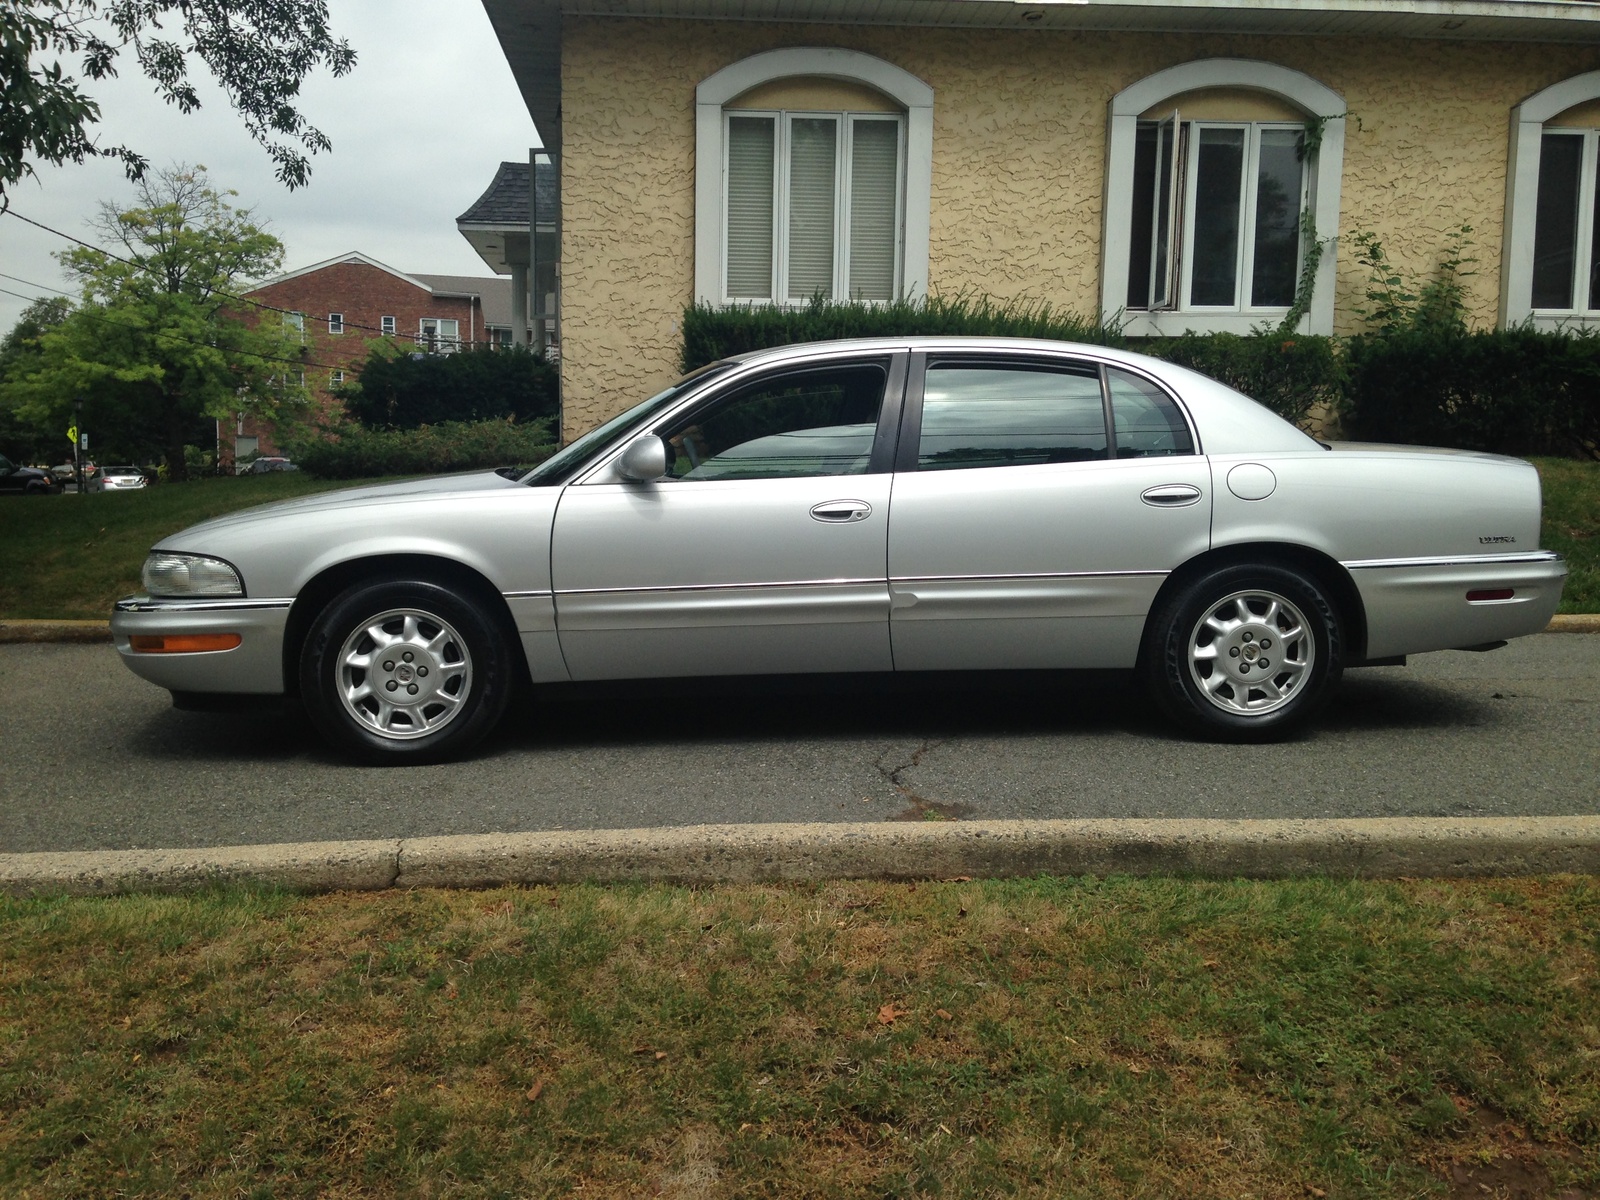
x=93, y=758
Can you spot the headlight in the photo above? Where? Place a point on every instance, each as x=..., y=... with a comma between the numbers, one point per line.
x=167, y=574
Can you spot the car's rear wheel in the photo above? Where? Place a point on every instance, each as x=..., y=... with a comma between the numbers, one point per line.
x=404, y=671
x=1245, y=653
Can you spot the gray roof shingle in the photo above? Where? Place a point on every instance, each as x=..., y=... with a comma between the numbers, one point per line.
x=505, y=201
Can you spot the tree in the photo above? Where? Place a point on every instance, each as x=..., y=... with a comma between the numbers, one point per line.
x=159, y=342
x=260, y=51
x=20, y=440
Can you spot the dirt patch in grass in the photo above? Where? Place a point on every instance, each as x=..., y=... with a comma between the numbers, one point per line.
x=1044, y=1037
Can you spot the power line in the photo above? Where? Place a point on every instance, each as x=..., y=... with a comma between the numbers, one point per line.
x=292, y=312
x=30, y=283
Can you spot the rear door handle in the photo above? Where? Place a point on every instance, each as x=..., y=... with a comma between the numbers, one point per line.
x=841, y=512
x=1171, y=495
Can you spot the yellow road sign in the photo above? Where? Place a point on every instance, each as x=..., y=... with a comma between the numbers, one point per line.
x=72, y=435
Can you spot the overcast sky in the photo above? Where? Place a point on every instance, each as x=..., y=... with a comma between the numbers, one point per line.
x=418, y=129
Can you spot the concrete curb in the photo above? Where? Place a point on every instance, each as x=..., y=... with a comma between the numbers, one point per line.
x=14, y=631
x=1369, y=848
x=54, y=631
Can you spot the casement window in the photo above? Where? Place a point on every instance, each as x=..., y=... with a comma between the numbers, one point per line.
x=1217, y=210
x=386, y=326
x=336, y=323
x=814, y=205
x=1566, y=242
x=1217, y=192
x=439, y=335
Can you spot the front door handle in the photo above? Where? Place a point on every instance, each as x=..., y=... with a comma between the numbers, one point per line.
x=1171, y=495
x=841, y=512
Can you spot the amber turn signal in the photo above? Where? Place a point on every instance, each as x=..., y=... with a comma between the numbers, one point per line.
x=182, y=643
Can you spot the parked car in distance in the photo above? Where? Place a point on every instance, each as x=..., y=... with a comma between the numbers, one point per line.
x=119, y=479
x=264, y=464
x=25, y=481
x=904, y=505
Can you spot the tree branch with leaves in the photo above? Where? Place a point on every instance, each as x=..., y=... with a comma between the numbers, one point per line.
x=259, y=51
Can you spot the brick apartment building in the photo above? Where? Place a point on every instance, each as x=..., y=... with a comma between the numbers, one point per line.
x=340, y=307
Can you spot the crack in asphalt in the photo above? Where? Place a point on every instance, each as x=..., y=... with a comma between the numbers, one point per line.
x=921, y=808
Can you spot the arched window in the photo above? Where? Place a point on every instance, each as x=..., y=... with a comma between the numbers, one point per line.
x=813, y=170
x=1550, y=267
x=1210, y=173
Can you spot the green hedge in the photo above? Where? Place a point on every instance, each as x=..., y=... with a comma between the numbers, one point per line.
x=1287, y=374
x=1512, y=391
x=712, y=333
x=351, y=452
x=404, y=391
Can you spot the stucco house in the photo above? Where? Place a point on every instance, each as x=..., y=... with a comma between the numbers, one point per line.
x=1166, y=162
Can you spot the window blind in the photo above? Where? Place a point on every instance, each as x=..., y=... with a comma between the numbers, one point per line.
x=750, y=157
x=813, y=155
x=874, y=191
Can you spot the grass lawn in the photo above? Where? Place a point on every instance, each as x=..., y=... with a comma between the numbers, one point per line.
x=1572, y=527
x=1036, y=1038
x=73, y=556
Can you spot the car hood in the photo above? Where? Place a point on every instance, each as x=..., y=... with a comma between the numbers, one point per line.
x=346, y=498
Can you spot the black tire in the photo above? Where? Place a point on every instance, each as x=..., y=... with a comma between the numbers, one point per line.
x=1204, y=647
x=441, y=688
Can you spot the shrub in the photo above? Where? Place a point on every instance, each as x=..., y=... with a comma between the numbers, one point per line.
x=352, y=452
x=1288, y=373
x=711, y=333
x=1509, y=391
x=405, y=391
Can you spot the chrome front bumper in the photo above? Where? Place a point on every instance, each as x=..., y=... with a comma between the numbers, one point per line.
x=1420, y=604
x=254, y=667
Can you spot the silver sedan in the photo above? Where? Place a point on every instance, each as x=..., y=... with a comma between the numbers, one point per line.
x=871, y=506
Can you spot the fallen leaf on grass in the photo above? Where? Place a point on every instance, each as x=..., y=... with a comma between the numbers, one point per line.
x=888, y=1014
x=533, y=1092
x=942, y=1015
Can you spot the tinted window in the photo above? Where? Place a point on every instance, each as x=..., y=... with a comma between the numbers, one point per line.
x=819, y=422
x=1149, y=424
x=1002, y=416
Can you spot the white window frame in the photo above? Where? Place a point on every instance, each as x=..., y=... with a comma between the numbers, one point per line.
x=1324, y=171
x=296, y=323
x=336, y=323
x=335, y=378
x=1245, y=257
x=914, y=98
x=438, y=343
x=1522, y=203
x=387, y=326
x=844, y=123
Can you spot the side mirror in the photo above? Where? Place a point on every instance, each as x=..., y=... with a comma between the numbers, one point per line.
x=645, y=459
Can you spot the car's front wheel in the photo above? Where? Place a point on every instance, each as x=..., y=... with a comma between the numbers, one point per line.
x=1245, y=653
x=401, y=671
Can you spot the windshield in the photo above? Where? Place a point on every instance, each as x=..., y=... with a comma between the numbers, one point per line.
x=565, y=463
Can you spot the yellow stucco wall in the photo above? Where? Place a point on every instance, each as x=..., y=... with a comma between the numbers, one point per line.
x=1018, y=158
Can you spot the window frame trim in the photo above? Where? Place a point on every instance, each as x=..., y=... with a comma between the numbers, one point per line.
x=1522, y=202
x=1245, y=252
x=912, y=95
x=1326, y=171
x=844, y=121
